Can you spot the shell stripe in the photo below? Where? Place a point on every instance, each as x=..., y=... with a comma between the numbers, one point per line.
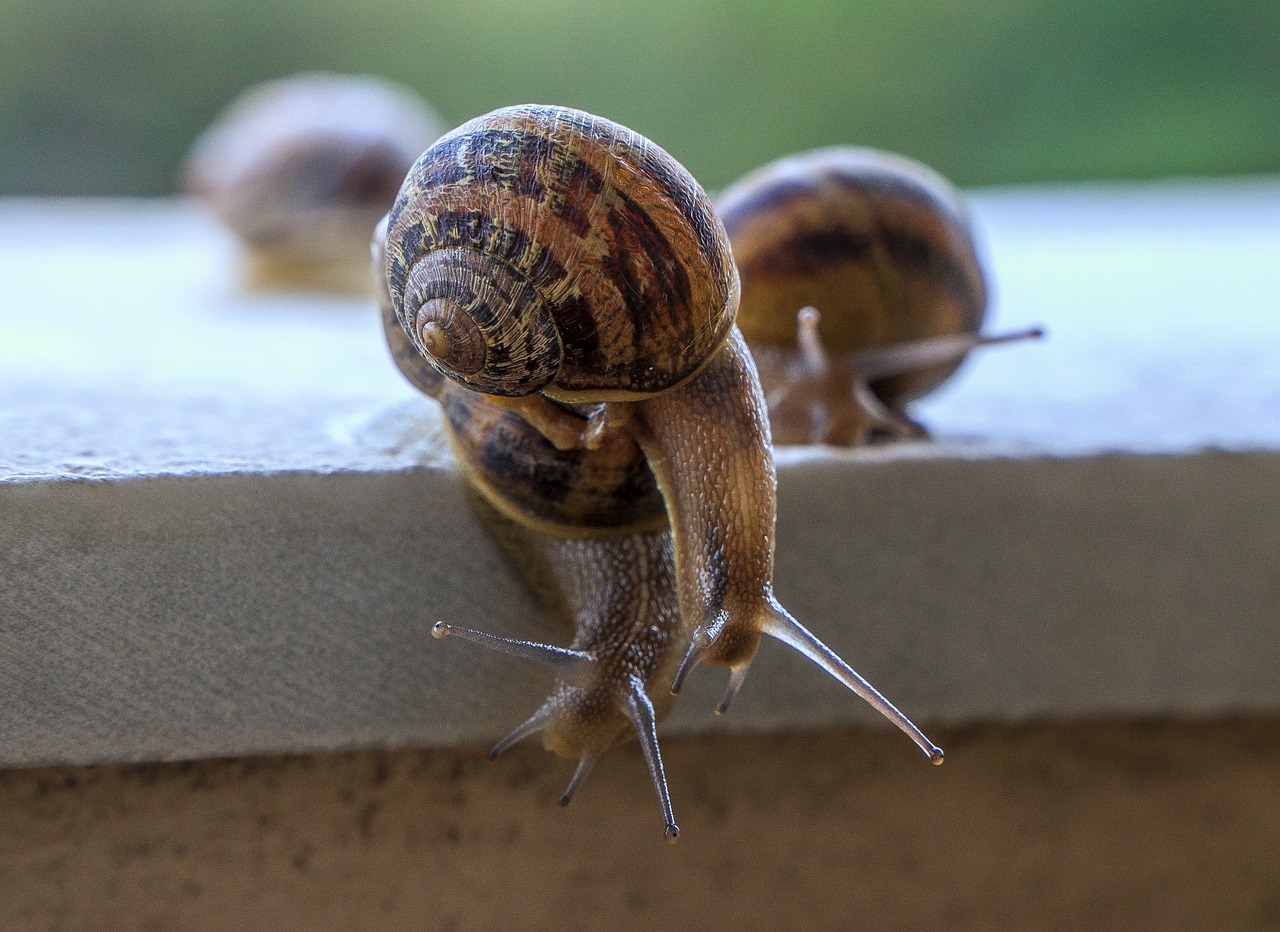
x=762, y=200
x=810, y=252
x=873, y=185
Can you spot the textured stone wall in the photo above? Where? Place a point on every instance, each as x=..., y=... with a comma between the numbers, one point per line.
x=1105, y=825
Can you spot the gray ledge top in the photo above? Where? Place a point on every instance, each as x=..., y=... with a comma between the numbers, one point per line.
x=126, y=349
x=1093, y=531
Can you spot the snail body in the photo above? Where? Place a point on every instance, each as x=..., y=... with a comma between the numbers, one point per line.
x=612, y=680
x=573, y=281
x=543, y=252
x=882, y=247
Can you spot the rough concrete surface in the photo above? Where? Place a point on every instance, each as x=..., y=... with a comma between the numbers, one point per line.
x=165, y=618
x=1101, y=826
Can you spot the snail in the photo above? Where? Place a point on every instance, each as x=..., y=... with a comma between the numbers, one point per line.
x=877, y=247
x=301, y=168
x=564, y=288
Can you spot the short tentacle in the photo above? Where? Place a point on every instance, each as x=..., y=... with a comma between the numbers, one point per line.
x=737, y=676
x=533, y=724
x=700, y=643
x=585, y=763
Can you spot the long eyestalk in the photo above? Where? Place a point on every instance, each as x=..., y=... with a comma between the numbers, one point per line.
x=882, y=361
x=781, y=625
x=570, y=665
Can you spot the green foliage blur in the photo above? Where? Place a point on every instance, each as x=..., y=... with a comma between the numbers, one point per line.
x=104, y=96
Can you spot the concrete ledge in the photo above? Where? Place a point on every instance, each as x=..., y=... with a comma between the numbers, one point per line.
x=225, y=524
x=1105, y=825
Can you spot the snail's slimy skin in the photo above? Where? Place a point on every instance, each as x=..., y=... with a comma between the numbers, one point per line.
x=708, y=444
x=612, y=680
x=587, y=528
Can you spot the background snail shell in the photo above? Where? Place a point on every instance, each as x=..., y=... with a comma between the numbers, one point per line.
x=606, y=245
x=301, y=168
x=879, y=244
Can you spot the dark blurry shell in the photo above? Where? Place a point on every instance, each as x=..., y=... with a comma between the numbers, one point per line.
x=879, y=244
x=305, y=165
x=561, y=252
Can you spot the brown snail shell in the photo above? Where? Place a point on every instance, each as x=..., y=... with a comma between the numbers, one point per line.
x=517, y=471
x=881, y=245
x=301, y=168
x=543, y=249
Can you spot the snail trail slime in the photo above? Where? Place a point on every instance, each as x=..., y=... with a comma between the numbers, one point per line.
x=565, y=290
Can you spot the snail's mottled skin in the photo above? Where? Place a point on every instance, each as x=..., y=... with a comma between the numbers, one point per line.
x=882, y=247
x=301, y=168
x=618, y=592
x=572, y=285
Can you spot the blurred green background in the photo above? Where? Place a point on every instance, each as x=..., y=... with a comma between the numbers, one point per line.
x=103, y=97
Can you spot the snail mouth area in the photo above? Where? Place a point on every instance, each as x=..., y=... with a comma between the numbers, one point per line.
x=735, y=646
x=588, y=722
x=450, y=337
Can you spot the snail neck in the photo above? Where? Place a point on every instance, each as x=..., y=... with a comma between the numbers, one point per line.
x=711, y=435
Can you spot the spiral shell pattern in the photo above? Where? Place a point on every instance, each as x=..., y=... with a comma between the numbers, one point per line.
x=880, y=244
x=545, y=249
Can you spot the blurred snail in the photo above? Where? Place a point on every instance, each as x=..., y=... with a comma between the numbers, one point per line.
x=301, y=168
x=879, y=250
x=563, y=286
